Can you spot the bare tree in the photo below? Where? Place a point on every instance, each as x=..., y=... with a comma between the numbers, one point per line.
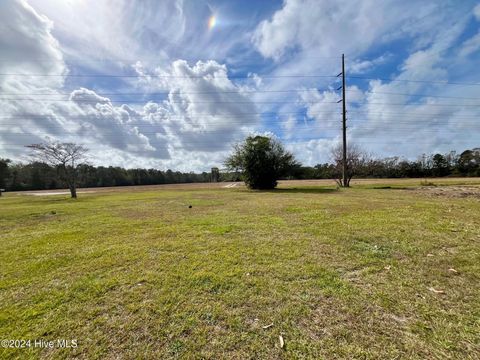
x=357, y=160
x=65, y=157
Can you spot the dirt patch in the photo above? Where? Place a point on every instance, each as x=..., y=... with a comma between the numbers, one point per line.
x=450, y=191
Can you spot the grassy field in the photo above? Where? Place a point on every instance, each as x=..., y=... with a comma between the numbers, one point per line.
x=370, y=272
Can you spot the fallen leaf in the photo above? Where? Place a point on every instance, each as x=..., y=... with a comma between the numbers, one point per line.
x=282, y=343
x=453, y=270
x=436, y=291
x=267, y=326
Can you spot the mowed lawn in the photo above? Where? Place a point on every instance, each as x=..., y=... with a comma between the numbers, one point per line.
x=361, y=273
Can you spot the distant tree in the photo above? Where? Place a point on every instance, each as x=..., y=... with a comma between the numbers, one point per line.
x=4, y=172
x=64, y=157
x=411, y=169
x=440, y=165
x=357, y=161
x=169, y=177
x=324, y=171
x=302, y=172
x=41, y=175
x=469, y=162
x=262, y=161
x=215, y=174
x=452, y=159
x=15, y=178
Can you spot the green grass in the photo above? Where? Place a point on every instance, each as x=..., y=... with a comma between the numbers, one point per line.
x=339, y=273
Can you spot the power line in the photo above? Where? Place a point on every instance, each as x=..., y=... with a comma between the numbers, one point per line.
x=311, y=124
x=192, y=59
x=309, y=113
x=126, y=102
x=150, y=129
x=169, y=101
x=242, y=92
x=86, y=117
x=269, y=113
x=421, y=95
x=146, y=93
x=200, y=140
x=311, y=118
x=441, y=82
x=414, y=112
x=237, y=118
x=167, y=76
x=415, y=104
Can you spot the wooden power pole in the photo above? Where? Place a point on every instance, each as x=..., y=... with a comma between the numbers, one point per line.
x=344, y=127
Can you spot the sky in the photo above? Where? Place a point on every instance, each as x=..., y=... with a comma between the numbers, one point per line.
x=174, y=84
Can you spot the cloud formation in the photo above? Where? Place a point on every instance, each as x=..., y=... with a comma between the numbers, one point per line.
x=380, y=118
x=325, y=28
x=177, y=107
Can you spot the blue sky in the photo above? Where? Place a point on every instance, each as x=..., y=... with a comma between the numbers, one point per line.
x=151, y=84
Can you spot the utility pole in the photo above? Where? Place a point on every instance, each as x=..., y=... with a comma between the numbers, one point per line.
x=344, y=127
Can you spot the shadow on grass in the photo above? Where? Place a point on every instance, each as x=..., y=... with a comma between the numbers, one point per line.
x=389, y=188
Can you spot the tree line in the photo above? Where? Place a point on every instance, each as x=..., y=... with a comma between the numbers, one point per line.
x=39, y=175
x=363, y=165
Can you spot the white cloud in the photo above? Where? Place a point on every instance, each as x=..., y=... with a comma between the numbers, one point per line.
x=205, y=110
x=302, y=31
x=323, y=107
x=329, y=27
x=100, y=33
x=312, y=152
x=470, y=46
x=191, y=129
x=392, y=122
x=28, y=47
x=289, y=125
x=362, y=66
x=476, y=11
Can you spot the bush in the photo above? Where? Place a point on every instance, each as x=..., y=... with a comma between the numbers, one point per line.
x=262, y=161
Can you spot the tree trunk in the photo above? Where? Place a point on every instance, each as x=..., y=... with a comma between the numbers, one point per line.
x=73, y=191
x=71, y=180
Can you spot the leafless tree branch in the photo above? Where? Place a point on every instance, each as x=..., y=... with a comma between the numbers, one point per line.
x=65, y=157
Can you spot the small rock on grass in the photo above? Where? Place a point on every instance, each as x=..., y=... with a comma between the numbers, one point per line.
x=436, y=291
